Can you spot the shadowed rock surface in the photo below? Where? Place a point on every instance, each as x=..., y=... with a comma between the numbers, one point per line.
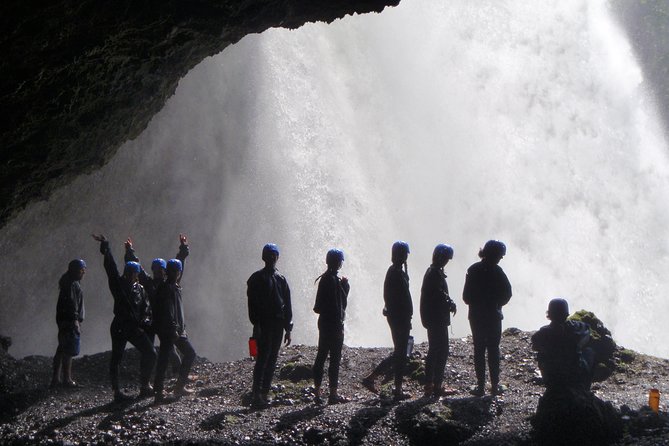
x=216, y=414
x=79, y=78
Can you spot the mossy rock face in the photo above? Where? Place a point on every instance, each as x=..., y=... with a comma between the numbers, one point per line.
x=431, y=424
x=296, y=371
x=601, y=342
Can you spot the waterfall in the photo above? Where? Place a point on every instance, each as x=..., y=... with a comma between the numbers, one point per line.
x=433, y=122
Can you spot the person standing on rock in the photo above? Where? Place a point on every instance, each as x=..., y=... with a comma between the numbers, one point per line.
x=398, y=310
x=564, y=360
x=436, y=307
x=69, y=316
x=152, y=283
x=171, y=328
x=271, y=313
x=331, y=301
x=486, y=291
x=132, y=313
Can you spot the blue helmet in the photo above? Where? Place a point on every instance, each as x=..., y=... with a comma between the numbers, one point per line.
x=334, y=257
x=442, y=252
x=493, y=249
x=76, y=265
x=400, y=250
x=558, y=309
x=158, y=262
x=270, y=247
x=132, y=267
x=174, y=265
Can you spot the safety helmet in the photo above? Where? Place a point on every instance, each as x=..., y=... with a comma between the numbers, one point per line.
x=270, y=247
x=174, y=265
x=441, y=252
x=558, y=309
x=76, y=265
x=334, y=257
x=158, y=262
x=132, y=267
x=400, y=249
x=493, y=249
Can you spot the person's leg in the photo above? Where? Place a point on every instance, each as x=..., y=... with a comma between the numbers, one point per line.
x=400, y=335
x=479, y=338
x=337, y=343
x=441, y=354
x=118, y=347
x=56, y=378
x=148, y=357
x=188, y=353
x=493, y=338
x=319, y=363
x=166, y=346
x=264, y=347
x=276, y=337
x=430, y=360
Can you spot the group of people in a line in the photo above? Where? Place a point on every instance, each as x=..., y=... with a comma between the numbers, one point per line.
x=145, y=306
x=149, y=305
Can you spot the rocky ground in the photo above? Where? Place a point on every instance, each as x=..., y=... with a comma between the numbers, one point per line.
x=217, y=413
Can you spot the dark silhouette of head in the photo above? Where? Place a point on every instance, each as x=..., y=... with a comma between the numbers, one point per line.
x=131, y=271
x=76, y=269
x=174, y=268
x=400, y=252
x=270, y=254
x=493, y=251
x=558, y=310
x=441, y=255
x=334, y=258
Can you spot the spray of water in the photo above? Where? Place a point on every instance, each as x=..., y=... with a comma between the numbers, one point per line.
x=433, y=122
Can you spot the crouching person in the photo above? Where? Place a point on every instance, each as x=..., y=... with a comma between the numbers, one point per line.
x=170, y=326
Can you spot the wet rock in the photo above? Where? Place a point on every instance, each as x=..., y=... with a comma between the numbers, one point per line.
x=601, y=342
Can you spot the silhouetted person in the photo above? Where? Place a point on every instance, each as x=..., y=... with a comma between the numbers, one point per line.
x=436, y=307
x=170, y=325
x=486, y=291
x=271, y=313
x=563, y=359
x=398, y=310
x=331, y=301
x=151, y=283
x=132, y=313
x=69, y=316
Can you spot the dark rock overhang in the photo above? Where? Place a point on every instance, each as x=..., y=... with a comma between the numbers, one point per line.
x=81, y=77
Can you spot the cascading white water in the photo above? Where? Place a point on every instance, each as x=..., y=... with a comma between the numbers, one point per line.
x=432, y=122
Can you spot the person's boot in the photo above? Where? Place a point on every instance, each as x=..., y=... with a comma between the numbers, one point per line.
x=317, y=395
x=120, y=397
x=146, y=391
x=335, y=398
x=57, y=369
x=497, y=389
x=428, y=390
x=180, y=389
x=67, y=373
x=478, y=389
x=398, y=395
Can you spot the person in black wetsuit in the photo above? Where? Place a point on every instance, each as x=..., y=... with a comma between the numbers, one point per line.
x=171, y=328
x=331, y=301
x=486, y=291
x=398, y=310
x=152, y=283
x=563, y=359
x=132, y=314
x=436, y=307
x=69, y=316
x=271, y=313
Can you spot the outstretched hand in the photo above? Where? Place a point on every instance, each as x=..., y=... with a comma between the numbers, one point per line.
x=183, y=239
x=287, y=339
x=128, y=243
x=99, y=238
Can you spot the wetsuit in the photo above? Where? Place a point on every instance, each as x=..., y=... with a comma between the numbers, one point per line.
x=435, y=314
x=486, y=291
x=399, y=310
x=563, y=360
x=132, y=312
x=171, y=329
x=331, y=301
x=69, y=311
x=270, y=312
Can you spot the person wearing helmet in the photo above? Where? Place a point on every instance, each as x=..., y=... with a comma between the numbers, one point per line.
x=69, y=316
x=564, y=359
x=486, y=291
x=271, y=314
x=331, y=301
x=131, y=313
x=152, y=282
x=436, y=307
x=171, y=328
x=398, y=310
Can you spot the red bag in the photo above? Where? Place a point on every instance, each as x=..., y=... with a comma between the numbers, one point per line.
x=253, y=347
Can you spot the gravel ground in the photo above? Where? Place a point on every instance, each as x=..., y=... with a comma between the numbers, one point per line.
x=217, y=413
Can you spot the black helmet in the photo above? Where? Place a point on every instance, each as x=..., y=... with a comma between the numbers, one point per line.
x=442, y=252
x=334, y=256
x=558, y=309
x=493, y=249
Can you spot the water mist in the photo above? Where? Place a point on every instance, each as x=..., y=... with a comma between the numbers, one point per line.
x=433, y=123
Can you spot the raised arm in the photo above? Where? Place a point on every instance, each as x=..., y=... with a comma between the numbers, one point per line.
x=183, y=253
